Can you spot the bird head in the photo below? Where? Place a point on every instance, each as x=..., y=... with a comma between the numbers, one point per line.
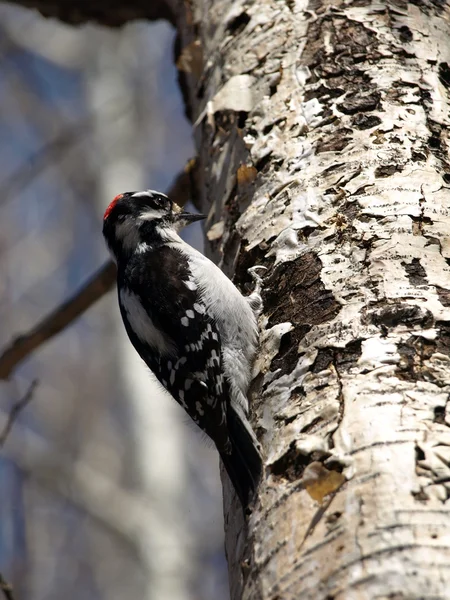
x=148, y=217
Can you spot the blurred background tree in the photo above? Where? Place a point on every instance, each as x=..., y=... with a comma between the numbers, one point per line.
x=105, y=492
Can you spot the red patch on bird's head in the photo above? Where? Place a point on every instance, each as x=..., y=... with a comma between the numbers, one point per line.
x=111, y=206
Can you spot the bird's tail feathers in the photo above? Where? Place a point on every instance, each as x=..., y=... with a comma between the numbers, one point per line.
x=243, y=463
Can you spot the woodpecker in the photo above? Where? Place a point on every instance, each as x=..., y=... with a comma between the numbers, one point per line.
x=188, y=322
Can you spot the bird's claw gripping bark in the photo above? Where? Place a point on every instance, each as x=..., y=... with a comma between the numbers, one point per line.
x=255, y=299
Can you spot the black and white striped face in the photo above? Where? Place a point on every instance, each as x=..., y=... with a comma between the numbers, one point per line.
x=136, y=218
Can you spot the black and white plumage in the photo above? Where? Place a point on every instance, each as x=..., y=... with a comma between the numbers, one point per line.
x=189, y=323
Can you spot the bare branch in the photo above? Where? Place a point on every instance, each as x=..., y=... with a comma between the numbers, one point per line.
x=16, y=409
x=6, y=588
x=100, y=283
x=183, y=188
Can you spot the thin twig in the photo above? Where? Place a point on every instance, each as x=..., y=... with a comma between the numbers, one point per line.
x=183, y=188
x=6, y=588
x=14, y=413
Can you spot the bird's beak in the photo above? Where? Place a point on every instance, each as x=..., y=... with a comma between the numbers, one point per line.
x=182, y=218
x=190, y=217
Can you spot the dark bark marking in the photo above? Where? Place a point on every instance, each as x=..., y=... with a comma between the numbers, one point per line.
x=420, y=496
x=238, y=24
x=443, y=339
x=360, y=102
x=347, y=357
x=350, y=211
x=431, y=6
x=418, y=156
x=379, y=445
x=414, y=352
x=290, y=466
x=444, y=74
x=420, y=454
x=313, y=426
x=439, y=415
x=335, y=141
x=436, y=143
x=444, y=296
x=415, y=272
x=352, y=43
x=405, y=34
x=295, y=293
x=360, y=3
x=262, y=163
x=363, y=121
x=323, y=360
x=402, y=313
x=387, y=170
x=324, y=93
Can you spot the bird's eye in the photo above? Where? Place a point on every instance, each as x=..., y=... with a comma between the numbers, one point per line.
x=154, y=200
x=163, y=202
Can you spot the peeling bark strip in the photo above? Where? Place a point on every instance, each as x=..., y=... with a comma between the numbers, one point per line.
x=323, y=134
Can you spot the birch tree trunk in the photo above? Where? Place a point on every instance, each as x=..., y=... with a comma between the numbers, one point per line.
x=322, y=129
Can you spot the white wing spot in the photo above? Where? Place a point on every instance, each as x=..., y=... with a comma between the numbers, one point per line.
x=190, y=314
x=199, y=409
x=184, y=321
x=172, y=377
x=190, y=285
x=199, y=308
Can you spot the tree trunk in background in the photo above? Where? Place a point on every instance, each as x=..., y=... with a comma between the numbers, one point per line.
x=322, y=130
x=155, y=439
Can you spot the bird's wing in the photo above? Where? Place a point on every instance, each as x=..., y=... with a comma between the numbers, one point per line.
x=170, y=327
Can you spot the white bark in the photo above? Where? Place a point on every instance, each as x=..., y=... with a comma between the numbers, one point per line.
x=338, y=184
